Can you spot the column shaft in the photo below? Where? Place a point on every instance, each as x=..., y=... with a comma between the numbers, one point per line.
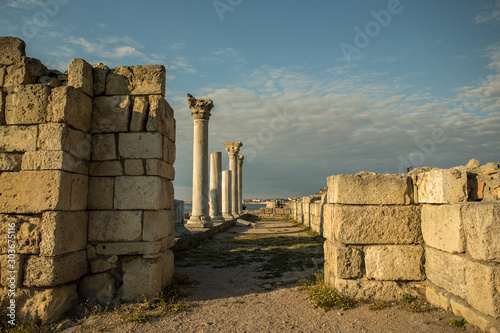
x=215, y=186
x=226, y=194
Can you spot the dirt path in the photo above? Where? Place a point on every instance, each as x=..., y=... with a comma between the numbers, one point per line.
x=247, y=281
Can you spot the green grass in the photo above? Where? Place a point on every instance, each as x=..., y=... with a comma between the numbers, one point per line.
x=459, y=323
x=324, y=296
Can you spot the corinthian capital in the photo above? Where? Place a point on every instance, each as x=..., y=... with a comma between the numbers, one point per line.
x=233, y=148
x=200, y=108
x=240, y=159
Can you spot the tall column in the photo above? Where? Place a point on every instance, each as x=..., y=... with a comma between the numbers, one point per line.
x=240, y=184
x=201, y=114
x=233, y=148
x=215, y=186
x=226, y=195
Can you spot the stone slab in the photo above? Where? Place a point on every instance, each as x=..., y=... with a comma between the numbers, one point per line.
x=104, y=147
x=375, y=290
x=106, y=168
x=155, y=167
x=446, y=270
x=79, y=191
x=101, y=192
x=136, y=80
x=26, y=105
x=13, y=50
x=27, y=233
x=483, y=287
x=482, y=230
x=26, y=71
x=55, y=136
x=18, y=138
x=80, y=76
x=139, y=114
x=140, y=145
x=437, y=297
x=394, y=262
x=440, y=186
x=129, y=248
x=53, y=160
x=442, y=227
x=161, y=117
x=133, y=167
x=100, y=73
x=115, y=226
x=142, y=192
x=157, y=225
x=111, y=114
x=10, y=162
x=71, y=106
x=474, y=317
x=63, y=232
x=346, y=262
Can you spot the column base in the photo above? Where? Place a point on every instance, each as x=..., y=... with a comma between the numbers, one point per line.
x=218, y=218
x=199, y=222
x=227, y=216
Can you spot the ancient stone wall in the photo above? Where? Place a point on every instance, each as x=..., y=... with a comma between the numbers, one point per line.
x=434, y=231
x=86, y=164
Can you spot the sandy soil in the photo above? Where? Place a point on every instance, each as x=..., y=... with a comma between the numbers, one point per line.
x=240, y=289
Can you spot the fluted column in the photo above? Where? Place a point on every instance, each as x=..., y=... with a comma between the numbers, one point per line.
x=226, y=195
x=215, y=186
x=240, y=184
x=233, y=148
x=200, y=217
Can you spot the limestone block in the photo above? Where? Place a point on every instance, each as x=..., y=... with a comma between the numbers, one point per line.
x=13, y=49
x=168, y=151
x=63, y=232
x=27, y=233
x=157, y=224
x=442, y=186
x=474, y=317
x=134, y=167
x=27, y=104
x=483, y=287
x=141, y=192
x=446, y=271
x=437, y=297
x=27, y=71
x=136, y=80
x=160, y=168
x=53, y=160
x=54, y=271
x=111, y=114
x=374, y=290
x=35, y=191
x=11, y=272
x=101, y=192
x=70, y=106
x=161, y=117
x=115, y=226
x=2, y=101
x=79, y=191
x=2, y=74
x=106, y=168
x=482, y=230
x=168, y=195
x=377, y=224
x=368, y=188
x=62, y=137
x=100, y=73
x=394, y=262
x=10, y=162
x=103, y=147
x=345, y=261
x=442, y=227
x=103, y=264
x=46, y=305
x=18, y=138
x=80, y=76
x=146, y=277
x=139, y=114
x=129, y=248
x=98, y=287
x=140, y=145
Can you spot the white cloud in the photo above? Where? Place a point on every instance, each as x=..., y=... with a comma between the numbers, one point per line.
x=183, y=65
x=490, y=12
x=24, y=4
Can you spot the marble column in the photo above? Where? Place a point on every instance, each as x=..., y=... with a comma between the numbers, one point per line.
x=240, y=184
x=200, y=217
x=233, y=148
x=215, y=186
x=179, y=228
x=226, y=195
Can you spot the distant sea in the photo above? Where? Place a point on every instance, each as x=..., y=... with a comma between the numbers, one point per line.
x=250, y=206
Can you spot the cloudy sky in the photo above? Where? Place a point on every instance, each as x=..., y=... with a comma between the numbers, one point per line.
x=311, y=88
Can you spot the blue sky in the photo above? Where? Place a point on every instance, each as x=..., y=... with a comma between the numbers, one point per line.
x=312, y=88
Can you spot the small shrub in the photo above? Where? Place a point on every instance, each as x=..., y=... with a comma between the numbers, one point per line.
x=324, y=296
x=459, y=323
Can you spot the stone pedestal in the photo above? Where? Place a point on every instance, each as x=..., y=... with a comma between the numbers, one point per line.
x=240, y=184
x=215, y=187
x=179, y=228
x=233, y=148
x=200, y=217
x=226, y=195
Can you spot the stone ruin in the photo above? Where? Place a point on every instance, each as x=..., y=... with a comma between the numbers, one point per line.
x=86, y=170
x=434, y=231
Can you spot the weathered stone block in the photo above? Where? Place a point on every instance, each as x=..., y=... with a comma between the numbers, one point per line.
x=446, y=271
x=161, y=117
x=377, y=224
x=483, y=287
x=146, y=277
x=129, y=248
x=140, y=145
x=374, y=290
x=80, y=76
x=345, y=262
x=106, y=168
x=134, y=167
x=98, y=287
x=100, y=73
x=53, y=160
x=27, y=71
x=27, y=233
x=136, y=80
x=63, y=232
x=111, y=114
x=437, y=297
x=394, y=262
x=10, y=162
x=368, y=188
x=61, y=137
x=442, y=186
x=101, y=192
x=141, y=192
x=103, y=264
x=27, y=104
x=2, y=101
x=18, y=138
x=2, y=76
x=482, y=230
x=13, y=50
x=70, y=106
x=54, y=271
x=476, y=318
x=35, y=191
x=157, y=225
x=168, y=151
x=115, y=226
x=139, y=114
x=442, y=227
x=79, y=191
x=160, y=168
x=103, y=147
x=11, y=271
